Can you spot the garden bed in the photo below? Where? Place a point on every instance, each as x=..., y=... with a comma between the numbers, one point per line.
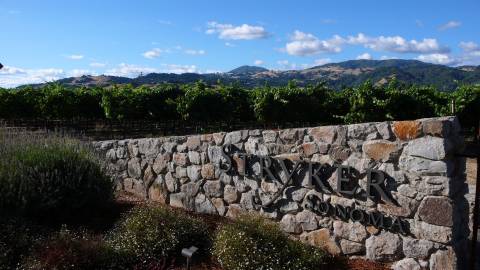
x=125, y=200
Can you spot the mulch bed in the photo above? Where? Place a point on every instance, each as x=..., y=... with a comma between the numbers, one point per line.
x=126, y=201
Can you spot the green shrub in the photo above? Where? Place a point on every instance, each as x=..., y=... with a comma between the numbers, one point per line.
x=154, y=233
x=153, y=103
x=467, y=102
x=255, y=243
x=222, y=103
x=50, y=177
x=292, y=103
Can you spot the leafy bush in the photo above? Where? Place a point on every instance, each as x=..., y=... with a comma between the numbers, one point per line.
x=126, y=102
x=223, y=103
x=467, y=101
x=367, y=103
x=255, y=243
x=50, y=177
x=149, y=234
x=292, y=103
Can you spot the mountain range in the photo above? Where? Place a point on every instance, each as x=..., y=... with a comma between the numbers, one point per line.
x=337, y=75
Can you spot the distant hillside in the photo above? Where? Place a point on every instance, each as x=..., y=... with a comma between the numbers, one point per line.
x=247, y=70
x=88, y=80
x=336, y=75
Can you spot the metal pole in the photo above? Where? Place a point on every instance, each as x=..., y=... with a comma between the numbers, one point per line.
x=475, y=219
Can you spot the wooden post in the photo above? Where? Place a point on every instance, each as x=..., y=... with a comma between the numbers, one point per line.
x=452, y=107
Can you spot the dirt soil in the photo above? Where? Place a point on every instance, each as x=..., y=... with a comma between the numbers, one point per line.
x=127, y=201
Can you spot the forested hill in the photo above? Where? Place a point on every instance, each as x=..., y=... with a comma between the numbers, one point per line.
x=336, y=75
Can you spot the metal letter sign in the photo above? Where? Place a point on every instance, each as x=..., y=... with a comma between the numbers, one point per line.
x=283, y=171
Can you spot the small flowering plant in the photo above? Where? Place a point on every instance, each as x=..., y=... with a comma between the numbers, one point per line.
x=252, y=242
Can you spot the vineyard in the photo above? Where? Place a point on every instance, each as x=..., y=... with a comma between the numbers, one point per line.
x=194, y=104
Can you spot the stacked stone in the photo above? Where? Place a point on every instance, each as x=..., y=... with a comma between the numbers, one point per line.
x=425, y=179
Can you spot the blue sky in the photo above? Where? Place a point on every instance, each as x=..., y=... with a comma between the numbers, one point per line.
x=50, y=39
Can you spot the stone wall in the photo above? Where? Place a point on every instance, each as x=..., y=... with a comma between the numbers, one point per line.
x=224, y=174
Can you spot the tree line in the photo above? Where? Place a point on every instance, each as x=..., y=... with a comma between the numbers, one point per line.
x=232, y=103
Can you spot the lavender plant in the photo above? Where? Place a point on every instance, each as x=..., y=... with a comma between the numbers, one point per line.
x=49, y=175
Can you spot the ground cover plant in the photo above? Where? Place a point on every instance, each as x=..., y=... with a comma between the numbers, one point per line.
x=149, y=234
x=252, y=242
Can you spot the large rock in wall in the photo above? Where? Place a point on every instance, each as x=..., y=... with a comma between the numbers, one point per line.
x=425, y=181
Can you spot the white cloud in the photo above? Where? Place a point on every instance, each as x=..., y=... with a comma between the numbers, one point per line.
x=75, y=57
x=179, y=69
x=469, y=46
x=97, y=64
x=398, y=44
x=364, y=56
x=386, y=57
x=131, y=71
x=303, y=44
x=195, y=52
x=228, y=44
x=322, y=61
x=153, y=53
x=469, y=56
x=450, y=25
x=258, y=62
x=242, y=32
x=437, y=58
x=213, y=71
x=6, y=70
x=14, y=76
x=471, y=53
x=285, y=64
x=81, y=72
